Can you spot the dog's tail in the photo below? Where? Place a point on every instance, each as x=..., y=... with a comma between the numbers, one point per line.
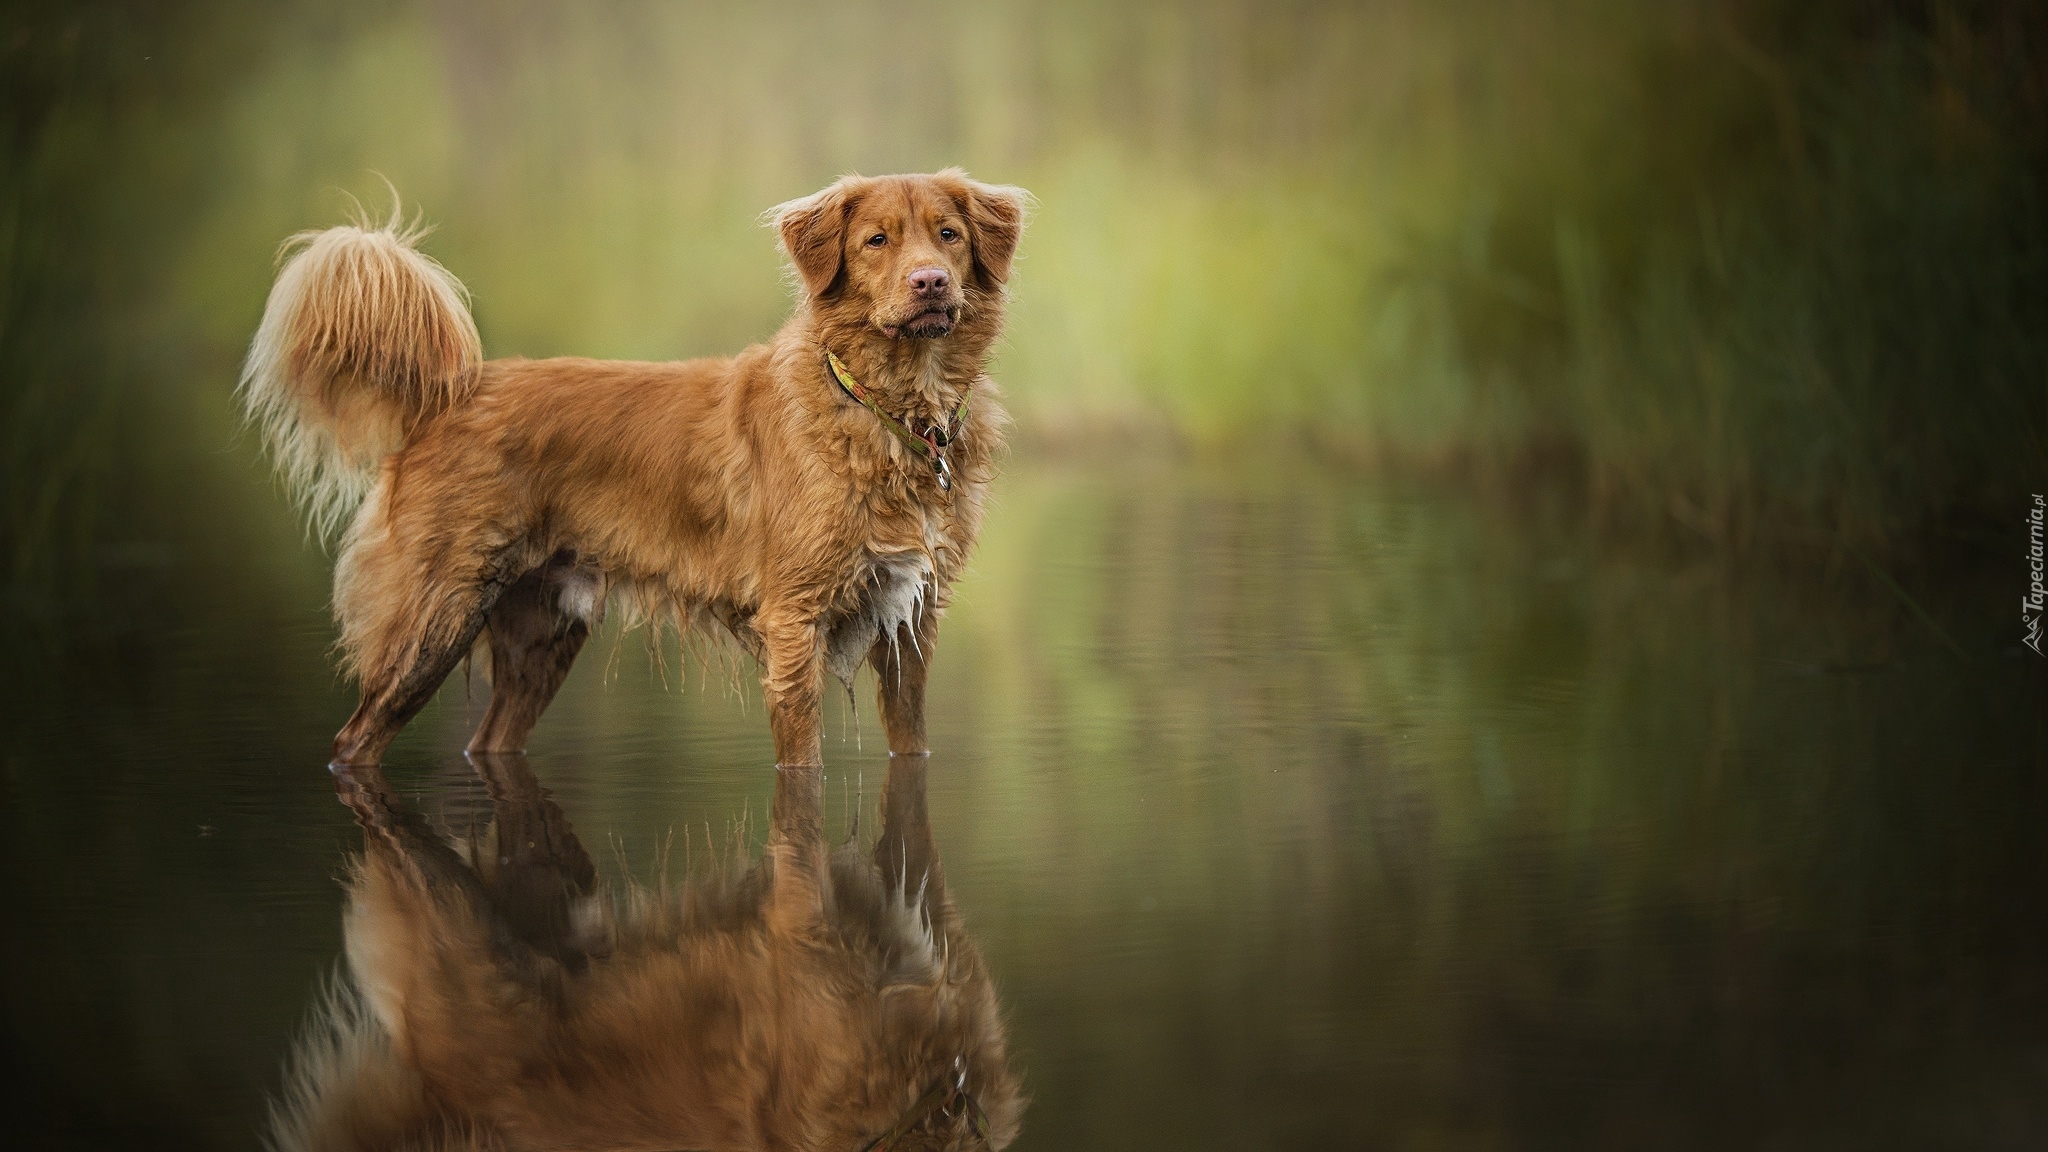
x=364, y=337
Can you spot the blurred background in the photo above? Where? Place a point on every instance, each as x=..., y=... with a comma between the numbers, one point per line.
x=1742, y=269
x=1498, y=629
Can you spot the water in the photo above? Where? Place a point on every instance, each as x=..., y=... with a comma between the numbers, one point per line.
x=1289, y=811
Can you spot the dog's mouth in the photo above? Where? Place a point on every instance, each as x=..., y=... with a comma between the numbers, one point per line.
x=926, y=325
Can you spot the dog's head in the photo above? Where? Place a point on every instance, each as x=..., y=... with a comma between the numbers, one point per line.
x=911, y=256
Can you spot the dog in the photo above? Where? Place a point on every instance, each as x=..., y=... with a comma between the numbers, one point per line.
x=497, y=997
x=814, y=497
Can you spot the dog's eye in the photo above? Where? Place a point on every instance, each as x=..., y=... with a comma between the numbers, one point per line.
x=948, y=235
x=877, y=240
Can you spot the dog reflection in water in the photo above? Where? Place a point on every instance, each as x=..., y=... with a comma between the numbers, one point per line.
x=496, y=996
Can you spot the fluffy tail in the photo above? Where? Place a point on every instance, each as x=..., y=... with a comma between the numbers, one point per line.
x=363, y=338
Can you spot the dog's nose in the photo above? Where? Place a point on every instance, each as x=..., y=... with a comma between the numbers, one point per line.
x=929, y=281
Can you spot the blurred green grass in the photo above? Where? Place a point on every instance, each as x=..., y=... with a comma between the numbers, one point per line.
x=1761, y=276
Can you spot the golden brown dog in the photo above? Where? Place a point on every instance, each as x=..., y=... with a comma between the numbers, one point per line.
x=496, y=997
x=512, y=500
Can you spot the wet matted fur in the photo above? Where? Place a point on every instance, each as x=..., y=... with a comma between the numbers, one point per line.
x=496, y=996
x=509, y=501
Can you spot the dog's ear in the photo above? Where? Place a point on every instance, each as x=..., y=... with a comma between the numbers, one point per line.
x=995, y=216
x=813, y=232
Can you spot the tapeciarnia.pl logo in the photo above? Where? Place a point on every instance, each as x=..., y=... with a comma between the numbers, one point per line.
x=2037, y=597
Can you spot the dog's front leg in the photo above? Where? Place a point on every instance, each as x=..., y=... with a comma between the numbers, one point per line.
x=900, y=664
x=794, y=682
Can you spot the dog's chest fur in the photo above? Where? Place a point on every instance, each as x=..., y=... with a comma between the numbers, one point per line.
x=897, y=570
x=886, y=601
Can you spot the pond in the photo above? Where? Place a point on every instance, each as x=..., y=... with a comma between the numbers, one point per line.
x=1286, y=809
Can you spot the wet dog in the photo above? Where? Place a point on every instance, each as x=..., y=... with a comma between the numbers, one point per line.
x=496, y=996
x=814, y=496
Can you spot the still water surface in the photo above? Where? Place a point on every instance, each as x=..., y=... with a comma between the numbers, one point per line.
x=1288, y=810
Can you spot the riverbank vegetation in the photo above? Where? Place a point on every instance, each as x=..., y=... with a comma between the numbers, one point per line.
x=1766, y=277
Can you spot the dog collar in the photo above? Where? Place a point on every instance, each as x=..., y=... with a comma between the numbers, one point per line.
x=931, y=444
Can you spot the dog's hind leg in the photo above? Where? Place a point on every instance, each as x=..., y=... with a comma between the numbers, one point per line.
x=533, y=643
x=395, y=690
